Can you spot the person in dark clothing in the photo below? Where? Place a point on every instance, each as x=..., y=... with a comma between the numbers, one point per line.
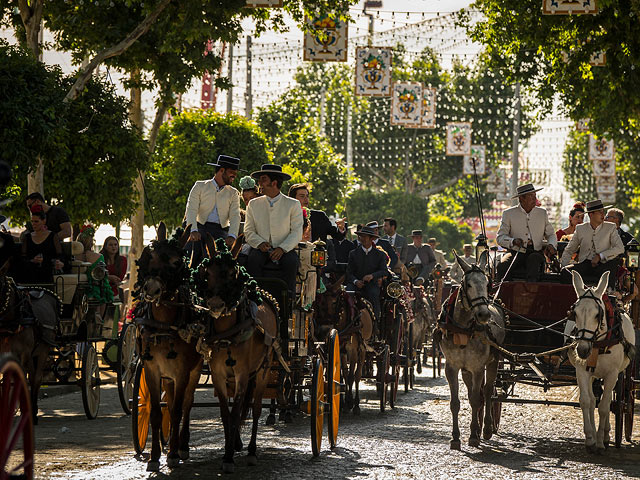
x=57, y=220
x=321, y=226
x=615, y=215
x=41, y=251
x=367, y=265
x=421, y=256
x=343, y=248
x=385, y=245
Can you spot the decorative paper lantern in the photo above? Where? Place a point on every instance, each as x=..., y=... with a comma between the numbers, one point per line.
x=459, y=138
x=569, y=7
x=373, y=71
x=329, y=44
x=406, y=104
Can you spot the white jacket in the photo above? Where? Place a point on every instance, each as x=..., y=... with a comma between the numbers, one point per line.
x=604, y=241
x=203, y=197
x=280, y=225
x=534, y=226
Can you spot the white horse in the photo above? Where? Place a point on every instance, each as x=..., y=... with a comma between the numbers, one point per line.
x=591, y=327
x=463, y=342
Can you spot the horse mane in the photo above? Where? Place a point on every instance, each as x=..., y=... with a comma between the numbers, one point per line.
x=164, y=249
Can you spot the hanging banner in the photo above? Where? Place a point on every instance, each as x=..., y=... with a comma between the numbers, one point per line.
x=406, y=104
x=477, y=159
x=459, y=138
x=373, y=71
x=329, y=44
x=600, y=148
x=608, y=197
x=497, y=181
x=604, y=168
x=569, y=7
x=264, y=3
x=606, y=184
x=597, y=59
x=582, y=125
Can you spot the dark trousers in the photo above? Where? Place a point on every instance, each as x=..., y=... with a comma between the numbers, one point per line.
x=370, y=291
x=286, y=268
x=198, y=248
x=590, y=274
x=532, y=262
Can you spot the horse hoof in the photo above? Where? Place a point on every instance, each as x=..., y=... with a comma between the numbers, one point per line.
x=252, y=460
x=474, y=442
x=184, y=454
x=173, y=461
x=487, y=434
x=153, y=466
x=288, y=417
x=356, y=410
x=591, y=448
x=455, y=445
x=228, y=467
x=271, y=419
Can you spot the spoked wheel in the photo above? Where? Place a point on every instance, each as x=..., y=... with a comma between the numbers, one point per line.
x=383, y=369
x=629, y=406
x=16, y=432
x=408, y=364
x=619, y=398
x=140, y=410
x=317, y=406
x=165, y=407
x=126, y=365
x=395, y=368
x=90, y=382
x=333, y=386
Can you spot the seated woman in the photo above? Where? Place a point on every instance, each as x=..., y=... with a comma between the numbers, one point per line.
x=576, y=217
x=101, y=292
x=116, y=264
x=41, y=251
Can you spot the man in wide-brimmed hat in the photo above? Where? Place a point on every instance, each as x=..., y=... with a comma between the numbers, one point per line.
x=456, y=270
x=525, y=230
x=421, y=256
x=439, y=254
x=273, y=227
x=366, y=266
x=213, y=205
x=384, y=245
x=599, y=245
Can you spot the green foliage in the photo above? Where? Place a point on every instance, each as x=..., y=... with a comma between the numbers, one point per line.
x=90, y=151
x=449, y=233
x=529, y=47
x=185, y=145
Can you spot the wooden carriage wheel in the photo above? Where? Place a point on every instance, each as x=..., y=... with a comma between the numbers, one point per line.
x=16, y=432
x=126, y=365
x=140, y=410
x=90, y=382
x=408, y=364
x=333, y=386
x=383, y=369
x=397, y=360
x=317, y=406
x=618, y=402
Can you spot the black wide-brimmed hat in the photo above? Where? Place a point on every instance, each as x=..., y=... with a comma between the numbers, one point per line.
x=373, y=224
x=367, y=230
x=595, y=205
x=225, y=161
x=524, y=189
x=270, y=169
x=416, y=233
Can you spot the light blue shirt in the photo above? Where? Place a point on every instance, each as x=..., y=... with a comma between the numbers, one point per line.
x=273, y=200
x=213, y=216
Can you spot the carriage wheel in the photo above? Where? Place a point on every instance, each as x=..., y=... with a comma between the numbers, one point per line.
x=317, y=406
x=383, y=369
x=16, y=433
x=395, y=368
x=619, y=398
x=408, y=365
x=333, y=386
x=90, y=382
x=140, y=410
x=126, y=365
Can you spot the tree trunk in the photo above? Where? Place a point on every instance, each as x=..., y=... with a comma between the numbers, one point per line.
x=137, y=221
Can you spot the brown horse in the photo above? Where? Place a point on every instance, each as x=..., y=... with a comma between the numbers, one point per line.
x=240, y=337
x=332, y=310
x=19, y=335
x=164, y=308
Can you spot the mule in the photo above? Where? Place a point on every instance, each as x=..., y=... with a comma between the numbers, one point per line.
x=332, y=311
x=463, y=340
x=591, y=330
x=165, y=308
x=240, y=337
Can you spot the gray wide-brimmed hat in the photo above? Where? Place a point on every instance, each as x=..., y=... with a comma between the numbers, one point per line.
x=225, y=161
x=595, y=205
x=367, y=230
x=416, y=233
x=271, y=169
x=524, y=189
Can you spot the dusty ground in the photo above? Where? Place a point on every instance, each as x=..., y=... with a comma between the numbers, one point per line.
x=411, y=441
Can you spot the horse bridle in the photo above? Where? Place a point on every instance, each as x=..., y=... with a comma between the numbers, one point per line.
x=581, y=332
x=476, y=301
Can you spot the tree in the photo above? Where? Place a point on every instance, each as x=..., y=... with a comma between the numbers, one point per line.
x=91, y=151
x=550, y=54
x=186, y=144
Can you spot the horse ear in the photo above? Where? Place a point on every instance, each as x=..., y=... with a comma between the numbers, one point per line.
x=602, y=284
x=211, y=245
x=578, y=283
x=462, y=262
x=237, y=245
x=185, y=236
x=192, y=259
x=162, y=231
x=483, y=260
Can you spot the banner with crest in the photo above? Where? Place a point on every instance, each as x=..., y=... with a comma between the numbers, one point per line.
x=459, y=138
x=329, y=42
x=373, y=71
x=604, y=168
x=606, y=183
x=569, y=7
x=607, y=197
x=600, y=148
x=406, y=104
x=582, y=125
x=477, y=159
x=264, y=3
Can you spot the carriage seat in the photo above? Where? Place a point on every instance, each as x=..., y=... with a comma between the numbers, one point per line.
x=66, y=285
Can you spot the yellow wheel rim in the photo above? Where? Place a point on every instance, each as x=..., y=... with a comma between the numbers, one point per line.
x=144, y=411
x=334, y=391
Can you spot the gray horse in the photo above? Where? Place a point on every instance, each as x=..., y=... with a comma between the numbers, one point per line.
x=463, y=340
